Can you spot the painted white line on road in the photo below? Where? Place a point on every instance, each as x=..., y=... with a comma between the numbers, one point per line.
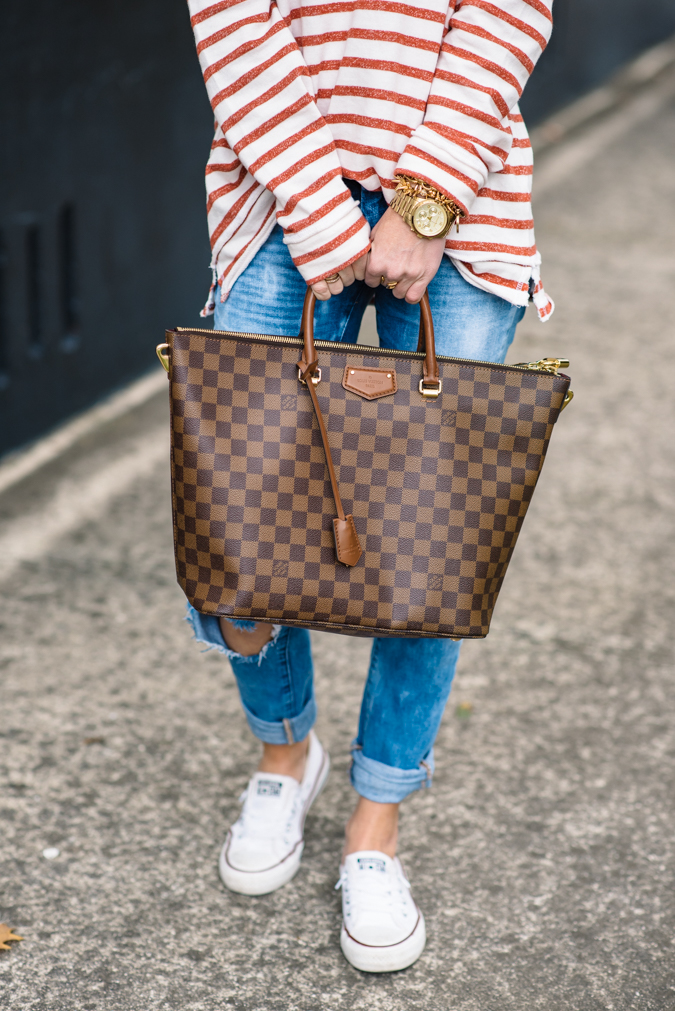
x=19, y=465
x=557, y=165
x=76, y=502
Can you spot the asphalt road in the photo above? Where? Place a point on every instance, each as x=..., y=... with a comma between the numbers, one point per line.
x=543, y=855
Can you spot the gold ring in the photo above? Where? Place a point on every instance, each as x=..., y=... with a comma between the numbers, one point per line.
x=388, y=284
x=332, y=278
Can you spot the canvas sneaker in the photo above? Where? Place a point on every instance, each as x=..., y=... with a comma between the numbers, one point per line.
x=382, y=928
x=264, y=846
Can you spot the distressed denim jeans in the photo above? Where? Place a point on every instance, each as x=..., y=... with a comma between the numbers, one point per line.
x=408, y=680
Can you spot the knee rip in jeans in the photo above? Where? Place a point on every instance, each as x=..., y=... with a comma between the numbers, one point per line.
x=248, y=626
x=207, y=631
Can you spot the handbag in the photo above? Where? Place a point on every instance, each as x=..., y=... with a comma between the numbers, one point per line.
x=348, y=488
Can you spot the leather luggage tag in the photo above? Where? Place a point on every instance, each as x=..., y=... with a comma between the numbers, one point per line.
x=369, y=383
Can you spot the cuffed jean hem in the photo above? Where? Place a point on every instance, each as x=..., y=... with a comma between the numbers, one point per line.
x=286, y=731
x=384, y=783
x=206, y=629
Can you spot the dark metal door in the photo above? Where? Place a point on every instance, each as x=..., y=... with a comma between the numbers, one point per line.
x=105, y=128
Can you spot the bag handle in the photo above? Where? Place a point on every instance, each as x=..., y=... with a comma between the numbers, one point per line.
x=347, y=546
x=430, y=383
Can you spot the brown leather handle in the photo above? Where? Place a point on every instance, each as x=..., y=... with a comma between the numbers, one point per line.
x=425, y=342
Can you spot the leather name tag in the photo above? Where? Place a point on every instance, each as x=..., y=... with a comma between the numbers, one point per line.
x=370, y=383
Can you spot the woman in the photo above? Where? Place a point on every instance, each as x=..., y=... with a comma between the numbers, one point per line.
x=371, y=149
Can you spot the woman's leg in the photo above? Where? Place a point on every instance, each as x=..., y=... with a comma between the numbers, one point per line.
x=275, y=684
x=274, y=672
x=403, y=702
x=264, y=846
x=409, y=679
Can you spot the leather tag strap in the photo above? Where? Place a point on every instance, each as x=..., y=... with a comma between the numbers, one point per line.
x=347, y=546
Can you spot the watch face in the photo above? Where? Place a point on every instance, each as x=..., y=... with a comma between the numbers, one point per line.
x=430, y=219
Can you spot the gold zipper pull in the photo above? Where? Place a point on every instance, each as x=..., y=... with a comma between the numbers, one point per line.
x=546, y=365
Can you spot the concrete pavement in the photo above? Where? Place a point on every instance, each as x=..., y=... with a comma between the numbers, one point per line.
x=543, y=856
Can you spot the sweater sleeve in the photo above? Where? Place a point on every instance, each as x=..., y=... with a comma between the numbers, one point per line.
x=486, y=58
x=259, y=88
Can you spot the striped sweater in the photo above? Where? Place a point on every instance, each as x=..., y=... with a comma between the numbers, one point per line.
x=307, y=93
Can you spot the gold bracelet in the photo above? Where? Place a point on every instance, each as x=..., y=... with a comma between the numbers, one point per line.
x=410, y=190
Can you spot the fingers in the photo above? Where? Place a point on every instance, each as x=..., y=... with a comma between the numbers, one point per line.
x=359, y=267
x=372, y=275
x=411, y=288
x=335, y=283
x=348, y=276
x=324, y=289
x=413, y=293
x=321, y=291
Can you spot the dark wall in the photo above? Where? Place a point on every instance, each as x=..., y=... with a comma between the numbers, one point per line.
x=591, y=39
x=105, y=130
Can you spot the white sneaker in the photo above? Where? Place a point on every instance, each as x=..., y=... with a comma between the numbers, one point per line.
x=264, y=846
x=382, y=928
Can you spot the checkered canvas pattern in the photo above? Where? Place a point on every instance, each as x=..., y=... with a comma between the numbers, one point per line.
x=438, y=488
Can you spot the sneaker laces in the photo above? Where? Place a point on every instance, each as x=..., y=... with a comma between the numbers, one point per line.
x=377, y=890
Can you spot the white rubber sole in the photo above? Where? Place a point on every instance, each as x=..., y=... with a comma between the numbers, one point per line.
x=268, y=880
x=389, y=958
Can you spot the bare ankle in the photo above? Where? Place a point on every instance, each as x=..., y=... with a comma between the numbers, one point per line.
x=285, y=759
x=372, y=826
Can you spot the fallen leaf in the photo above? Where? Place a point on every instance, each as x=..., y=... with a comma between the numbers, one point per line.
x=7, y=935
x=464, y=710
x=94, y=740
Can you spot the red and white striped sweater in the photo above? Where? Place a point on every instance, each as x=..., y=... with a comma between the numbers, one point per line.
x=306, y=93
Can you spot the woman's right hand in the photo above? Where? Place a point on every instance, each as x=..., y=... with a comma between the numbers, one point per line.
x=354, y=272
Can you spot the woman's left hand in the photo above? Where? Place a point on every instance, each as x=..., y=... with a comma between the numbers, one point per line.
x=398, y=254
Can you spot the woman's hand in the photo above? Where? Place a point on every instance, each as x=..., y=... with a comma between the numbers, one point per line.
x=398, y=254
x=354, y=272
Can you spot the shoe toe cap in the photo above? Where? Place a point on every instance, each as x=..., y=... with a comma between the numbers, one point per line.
x=380, y=931
x=250, y=857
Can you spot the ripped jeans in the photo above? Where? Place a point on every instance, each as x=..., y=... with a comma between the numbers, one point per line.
x=406, y=691
x=409, y=679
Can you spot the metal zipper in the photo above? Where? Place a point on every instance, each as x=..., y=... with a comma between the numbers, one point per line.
x=550, y=365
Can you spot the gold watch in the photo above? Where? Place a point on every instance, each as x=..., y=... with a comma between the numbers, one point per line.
x=427, y=211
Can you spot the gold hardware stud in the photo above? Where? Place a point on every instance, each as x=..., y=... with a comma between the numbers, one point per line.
x=351, y=372
x=388, y=375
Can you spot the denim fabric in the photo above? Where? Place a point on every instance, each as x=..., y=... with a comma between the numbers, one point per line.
x=276, y=686
x=409, y=679
x=468, y=322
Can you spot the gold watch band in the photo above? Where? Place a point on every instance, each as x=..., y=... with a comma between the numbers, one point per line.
x=427, y=212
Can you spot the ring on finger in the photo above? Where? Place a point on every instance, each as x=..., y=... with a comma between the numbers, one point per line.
x=332, y=278
x=388, y=284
